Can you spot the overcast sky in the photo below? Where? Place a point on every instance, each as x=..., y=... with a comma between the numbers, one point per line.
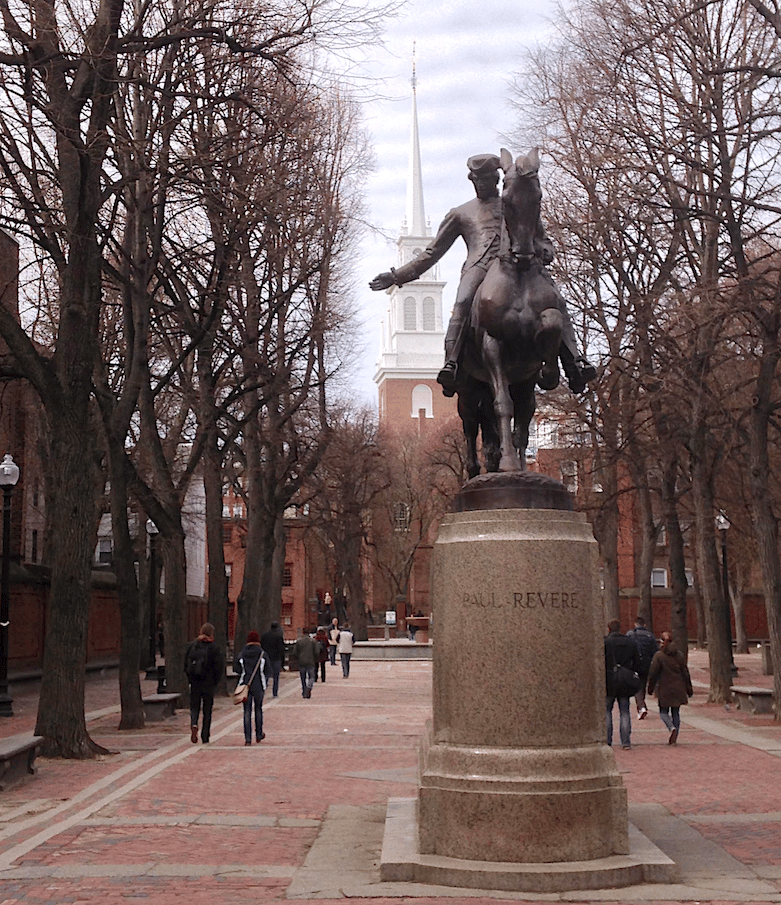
x=466, y=53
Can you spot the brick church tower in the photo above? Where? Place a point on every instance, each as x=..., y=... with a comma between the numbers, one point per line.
x=412, y=343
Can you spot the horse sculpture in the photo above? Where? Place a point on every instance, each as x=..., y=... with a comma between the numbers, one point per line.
x=515, y=330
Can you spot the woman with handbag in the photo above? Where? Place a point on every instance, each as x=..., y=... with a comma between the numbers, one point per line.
x=254, y=669
x=669, y=677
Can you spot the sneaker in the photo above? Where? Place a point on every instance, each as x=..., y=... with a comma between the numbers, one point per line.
x=643, y=713
x=262, y=736
x=193, y=734
x=626, y=747
x=673, y=737
x=247, y=743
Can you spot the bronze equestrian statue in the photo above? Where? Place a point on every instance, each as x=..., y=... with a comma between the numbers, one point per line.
x=512, y=339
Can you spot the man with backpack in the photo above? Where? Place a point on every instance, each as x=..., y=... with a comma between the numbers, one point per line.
x=647, y=646
x=204, y=664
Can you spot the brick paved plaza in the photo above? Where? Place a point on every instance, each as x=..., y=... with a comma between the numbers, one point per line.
x=301, y=815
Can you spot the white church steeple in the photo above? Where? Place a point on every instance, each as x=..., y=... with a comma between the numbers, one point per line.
x=412, y=342
x=416, y=213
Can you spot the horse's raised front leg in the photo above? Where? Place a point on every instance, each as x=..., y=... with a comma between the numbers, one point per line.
x=509, y=459
x=547, y=340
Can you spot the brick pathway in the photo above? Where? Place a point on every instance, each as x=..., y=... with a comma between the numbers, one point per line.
x=166, y=821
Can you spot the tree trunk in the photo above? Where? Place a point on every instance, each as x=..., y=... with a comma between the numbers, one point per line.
x=715, y=605
x=606, y=532
x=212, y=485
x=650, y=534
x=679, y=627
x=174, y=611
x=73, y=513
x=131, y=704
x=255, y=611
x=764, y=520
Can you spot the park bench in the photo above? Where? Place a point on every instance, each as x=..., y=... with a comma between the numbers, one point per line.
x=17, y=758
x=159, y=706
x=757, y=700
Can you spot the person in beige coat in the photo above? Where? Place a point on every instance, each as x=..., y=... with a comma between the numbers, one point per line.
x=669, y=678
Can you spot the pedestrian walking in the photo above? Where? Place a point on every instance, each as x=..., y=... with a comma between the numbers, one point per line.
x=322, y=639
x=333, y=640
x=273, y=643
x=620, y=652
x=254, y=670
x=647, y=646
x=345, y=648
x=307, y=652
x=204, y=665
x=669, y=678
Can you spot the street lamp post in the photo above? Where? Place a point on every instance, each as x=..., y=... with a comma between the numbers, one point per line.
x=9, y=475
x=723, y=524
x=152, y=531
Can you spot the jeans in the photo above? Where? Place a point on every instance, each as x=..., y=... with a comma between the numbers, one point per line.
x=624, y=720
x=257, y=700
x=671, y=717
x=332, y=653
x=345, y=664
x=205, y=696
x=307, y=674
x=276, y=668
x=640, y=696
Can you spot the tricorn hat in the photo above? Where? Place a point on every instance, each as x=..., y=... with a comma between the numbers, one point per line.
x=483, y=165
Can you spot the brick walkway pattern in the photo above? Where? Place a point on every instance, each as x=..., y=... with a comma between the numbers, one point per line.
x=166, y=821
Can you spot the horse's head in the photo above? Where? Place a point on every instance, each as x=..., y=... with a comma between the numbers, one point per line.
x=521, y=199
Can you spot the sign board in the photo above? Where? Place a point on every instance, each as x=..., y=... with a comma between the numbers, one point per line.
x=390, y=617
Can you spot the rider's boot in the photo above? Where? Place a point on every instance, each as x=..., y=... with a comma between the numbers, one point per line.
x=549, y=376
x=578, y=369
x=454, y=341
x=448, y=378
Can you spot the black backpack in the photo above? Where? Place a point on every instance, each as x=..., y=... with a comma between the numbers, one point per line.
x=197, y=661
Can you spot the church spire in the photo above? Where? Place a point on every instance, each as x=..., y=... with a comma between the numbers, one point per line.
x=416, y=214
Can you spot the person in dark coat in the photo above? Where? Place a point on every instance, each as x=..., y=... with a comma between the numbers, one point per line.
x=205, y=665
x=273, y=643
x=619, y=651
x=245, y=666
x=669, y=678
x=322, y=639
x=307, y=652
x=647, y=646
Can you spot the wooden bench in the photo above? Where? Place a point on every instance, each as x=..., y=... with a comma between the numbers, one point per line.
x=17, y=758
x=757, y=700
x=159, y=706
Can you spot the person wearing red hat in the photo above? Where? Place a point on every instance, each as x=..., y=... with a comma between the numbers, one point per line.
x=254, y=669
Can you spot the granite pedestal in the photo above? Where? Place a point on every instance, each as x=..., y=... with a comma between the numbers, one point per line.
x=515, y=769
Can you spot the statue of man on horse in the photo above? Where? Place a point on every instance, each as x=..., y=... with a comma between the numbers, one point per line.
x=479, y=224
x=509, y=323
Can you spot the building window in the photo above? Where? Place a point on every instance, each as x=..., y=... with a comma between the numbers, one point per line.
x=401, y=515
x=227, y=534
x=658, y=578
x=569, y=476
x=228, y=572
x=429, y=315
x=34, y=546
x=422, y=399
x=36, y=494
x=689, y=577
x=104, y=551
x=287, y=576
x=410, y=314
